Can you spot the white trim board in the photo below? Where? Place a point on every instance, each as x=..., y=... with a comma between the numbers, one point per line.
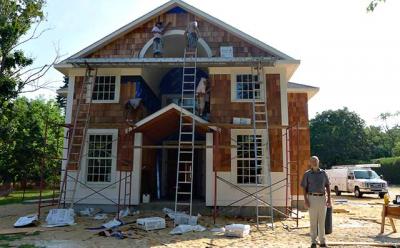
x=165, y=109
x=164, y=8
x=149, y=43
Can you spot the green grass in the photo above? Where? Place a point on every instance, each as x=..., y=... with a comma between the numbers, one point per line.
x=389, y=160
x=5, y=240
x=16, y=196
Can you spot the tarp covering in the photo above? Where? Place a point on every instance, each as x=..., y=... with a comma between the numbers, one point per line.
x=171, y=83
x=143, y=91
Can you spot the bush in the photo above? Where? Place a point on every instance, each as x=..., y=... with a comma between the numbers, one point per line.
x=390, y=169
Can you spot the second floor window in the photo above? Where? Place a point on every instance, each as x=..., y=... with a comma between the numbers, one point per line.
x=247, y=87
x=104, y=89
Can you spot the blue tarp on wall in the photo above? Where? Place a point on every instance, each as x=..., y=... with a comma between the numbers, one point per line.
x=143, y=91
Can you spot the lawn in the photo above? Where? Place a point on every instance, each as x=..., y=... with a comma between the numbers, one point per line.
x=16, y=196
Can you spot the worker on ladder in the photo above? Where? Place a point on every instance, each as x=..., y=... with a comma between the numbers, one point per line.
x=192, y=34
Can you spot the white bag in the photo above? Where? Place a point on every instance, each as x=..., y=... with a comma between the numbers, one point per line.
x=26, y=220
x=60, y=217
x=237, y=230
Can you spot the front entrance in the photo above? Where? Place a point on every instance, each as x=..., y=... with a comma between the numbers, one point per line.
x=168, y=173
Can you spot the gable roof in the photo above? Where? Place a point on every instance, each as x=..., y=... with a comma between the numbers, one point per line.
x=166, y=7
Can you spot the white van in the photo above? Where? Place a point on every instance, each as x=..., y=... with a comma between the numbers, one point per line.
x=358, y=179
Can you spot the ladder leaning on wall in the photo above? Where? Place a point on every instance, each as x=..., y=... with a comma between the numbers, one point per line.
x=78, y=136
x=184, y=170
x=260, y=116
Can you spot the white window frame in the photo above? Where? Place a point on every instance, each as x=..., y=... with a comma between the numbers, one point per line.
x=116, y=93
x=234, y=87
x=234, y=160
x=114, y=133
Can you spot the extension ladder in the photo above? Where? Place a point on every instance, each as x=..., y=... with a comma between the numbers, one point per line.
x=260, y=116
x=184, y=171
x=78, y=135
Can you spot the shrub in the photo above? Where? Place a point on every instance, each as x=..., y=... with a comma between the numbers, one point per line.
x=390, y=169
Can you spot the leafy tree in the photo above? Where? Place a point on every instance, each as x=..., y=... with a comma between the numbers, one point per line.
x=23, y=147
x=61, y=99
x=379, y=143
x=338, y=137
x=372, y=5
x=16, y=19
x=396, y=149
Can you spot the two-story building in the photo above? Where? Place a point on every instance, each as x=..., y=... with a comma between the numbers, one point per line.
x=126, y=69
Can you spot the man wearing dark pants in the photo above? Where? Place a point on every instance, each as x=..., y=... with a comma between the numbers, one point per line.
x=315, y=184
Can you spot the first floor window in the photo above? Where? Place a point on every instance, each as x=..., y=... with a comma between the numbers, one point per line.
x=247, y=87
x=249, y=169
x=104, y=89
x=99, y=160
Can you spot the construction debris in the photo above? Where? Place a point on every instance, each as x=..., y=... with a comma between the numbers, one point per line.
x=60, y=217
x=112, y=223
x=218, y=230
x=124, y=212
x=151, y=223
x=101, y=216
x=28, y=220
x=237, y=230
x=181, y=229
x=340, y=210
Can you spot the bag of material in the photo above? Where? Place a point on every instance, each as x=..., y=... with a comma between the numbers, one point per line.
x=27, y=220
x=237, y=230
x=187, y=228
x=60, y=217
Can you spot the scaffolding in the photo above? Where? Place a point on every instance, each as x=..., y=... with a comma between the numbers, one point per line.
x=124, y=180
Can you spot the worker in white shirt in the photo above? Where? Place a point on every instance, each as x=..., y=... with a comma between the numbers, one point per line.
x=201, y=92
x=158, y=31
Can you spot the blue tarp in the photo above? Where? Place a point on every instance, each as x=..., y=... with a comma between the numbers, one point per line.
x=171, y=83
x=176, y=10
x=143, y=91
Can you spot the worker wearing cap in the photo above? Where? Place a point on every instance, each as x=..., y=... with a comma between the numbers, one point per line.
x=317, y=198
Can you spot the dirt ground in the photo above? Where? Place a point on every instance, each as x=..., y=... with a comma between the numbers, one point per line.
x=360, y=224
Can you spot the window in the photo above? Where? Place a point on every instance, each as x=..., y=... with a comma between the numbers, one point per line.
x=100, y=158
x=247, y=170
x=104, y=89
x=247, y=87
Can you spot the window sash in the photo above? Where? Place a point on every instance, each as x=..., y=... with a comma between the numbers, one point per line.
x=104, y=89
x=99, y=158
x=247, y=172
x=247, y=87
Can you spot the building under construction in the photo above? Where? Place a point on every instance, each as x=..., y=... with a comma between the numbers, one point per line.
x=136, y=131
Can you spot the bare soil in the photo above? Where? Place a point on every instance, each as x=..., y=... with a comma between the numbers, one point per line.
x=357, y=220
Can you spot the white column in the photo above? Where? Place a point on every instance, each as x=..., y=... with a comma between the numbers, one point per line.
x=137, y=168
x=209, y=170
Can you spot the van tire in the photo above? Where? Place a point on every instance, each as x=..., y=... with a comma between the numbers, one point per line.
x=382, y=195
x=357, y=192
x=337, y=192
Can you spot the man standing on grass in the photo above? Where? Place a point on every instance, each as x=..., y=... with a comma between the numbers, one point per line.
x=315, y=185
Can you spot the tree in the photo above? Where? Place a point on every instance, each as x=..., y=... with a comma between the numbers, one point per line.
x=338, y=137
x=379, y=143
x=17, y=17
x=61, y=99
x=372, y=5
x=23, y=147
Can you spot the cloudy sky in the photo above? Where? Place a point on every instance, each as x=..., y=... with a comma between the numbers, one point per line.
x=352, y=55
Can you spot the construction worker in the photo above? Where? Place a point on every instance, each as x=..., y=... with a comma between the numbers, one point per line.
x=317, y=197
x=158, y=31
x=192, y=34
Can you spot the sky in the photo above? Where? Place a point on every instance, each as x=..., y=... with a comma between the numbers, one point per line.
x=351, y=55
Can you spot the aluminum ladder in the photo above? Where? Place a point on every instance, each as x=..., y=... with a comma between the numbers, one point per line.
x=184, y=170
x=260, y=117
x=78, y=136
